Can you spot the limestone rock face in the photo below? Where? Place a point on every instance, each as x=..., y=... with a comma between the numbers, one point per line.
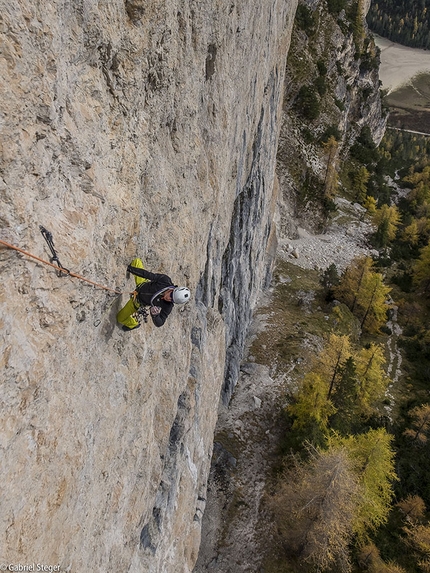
x=137, y=128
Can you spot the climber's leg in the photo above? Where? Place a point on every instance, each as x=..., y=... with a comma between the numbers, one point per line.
x=139, y=265
x=125, y=317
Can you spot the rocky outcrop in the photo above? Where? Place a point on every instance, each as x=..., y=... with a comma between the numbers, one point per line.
x=129, y=128
x=340, y=66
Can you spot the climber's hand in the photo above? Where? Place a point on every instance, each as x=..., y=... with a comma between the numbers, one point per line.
x=154, y=310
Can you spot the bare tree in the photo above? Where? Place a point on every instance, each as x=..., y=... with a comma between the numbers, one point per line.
x=315, y=508
x=420, y=425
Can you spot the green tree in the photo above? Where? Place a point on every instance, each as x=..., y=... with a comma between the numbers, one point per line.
x=336, y=6
x=305, y=19
x=308, y=102
x=363, y=150
x=422, y=269
x=345, y=399
x=329, y=279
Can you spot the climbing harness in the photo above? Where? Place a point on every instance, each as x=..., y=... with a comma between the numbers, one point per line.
x=50, y=242
x=141, y=310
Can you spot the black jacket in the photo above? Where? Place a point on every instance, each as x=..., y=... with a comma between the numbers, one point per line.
x=147, y=290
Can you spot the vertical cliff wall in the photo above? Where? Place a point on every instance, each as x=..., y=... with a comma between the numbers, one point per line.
x=143, y=128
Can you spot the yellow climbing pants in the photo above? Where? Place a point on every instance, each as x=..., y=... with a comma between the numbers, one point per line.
x=125, y=315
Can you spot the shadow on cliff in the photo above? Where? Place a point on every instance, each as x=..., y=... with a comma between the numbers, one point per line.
x=107, y=322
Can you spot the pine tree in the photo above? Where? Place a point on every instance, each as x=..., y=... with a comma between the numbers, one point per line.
x=422, y=269
x=345, y=399
x=330, y=278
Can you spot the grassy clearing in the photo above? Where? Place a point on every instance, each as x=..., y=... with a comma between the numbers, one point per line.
x=410, y=105
x=297, y=317
x=415, y=95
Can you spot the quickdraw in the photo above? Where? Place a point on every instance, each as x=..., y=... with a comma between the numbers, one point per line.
x=50, y=242
x=141, y=314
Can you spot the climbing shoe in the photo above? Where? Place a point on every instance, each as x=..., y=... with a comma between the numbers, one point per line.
x=127, y=329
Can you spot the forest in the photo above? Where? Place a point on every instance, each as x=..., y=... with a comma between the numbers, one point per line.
x=353, y=493
x=351, y=490
x=404, y=21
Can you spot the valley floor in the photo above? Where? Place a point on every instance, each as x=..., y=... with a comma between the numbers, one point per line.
x=237, y=533
x=399, y=64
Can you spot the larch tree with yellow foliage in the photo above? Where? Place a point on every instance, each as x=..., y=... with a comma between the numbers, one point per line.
x=372, y=303
x=370, y=204
x=372, y=378
x=329, y=363
x=386, y=219
x=359, y=184
x=365, y=294
x=373, y=462
x=349, y=286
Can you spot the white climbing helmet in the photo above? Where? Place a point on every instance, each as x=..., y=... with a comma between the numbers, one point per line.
x=181, y=295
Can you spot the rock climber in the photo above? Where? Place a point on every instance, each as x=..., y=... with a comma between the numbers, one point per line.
x=154, y=290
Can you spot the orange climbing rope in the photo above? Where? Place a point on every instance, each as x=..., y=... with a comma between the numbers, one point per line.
x=65, y=271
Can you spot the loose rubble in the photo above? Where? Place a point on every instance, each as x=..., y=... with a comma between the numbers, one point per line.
x=339, y=245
